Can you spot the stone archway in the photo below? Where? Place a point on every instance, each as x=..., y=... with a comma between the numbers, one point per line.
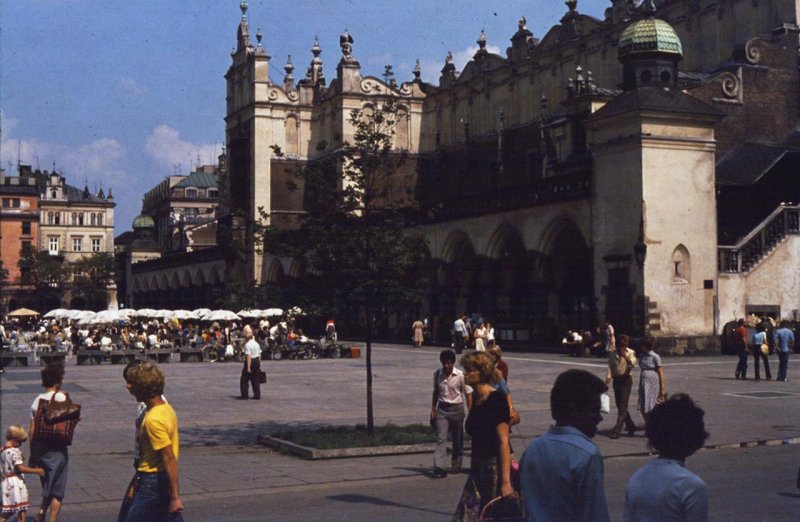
x=567, y=278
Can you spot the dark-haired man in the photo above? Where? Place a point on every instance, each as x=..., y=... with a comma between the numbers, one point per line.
x=561, y=472
x=447, y=412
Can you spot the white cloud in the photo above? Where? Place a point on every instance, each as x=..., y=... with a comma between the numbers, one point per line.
x=131, y=86
x=166, y=147
x=432, y=69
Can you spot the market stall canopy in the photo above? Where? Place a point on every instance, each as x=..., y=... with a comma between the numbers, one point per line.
x=23, y=312
x=221, y=315
x=58, y=313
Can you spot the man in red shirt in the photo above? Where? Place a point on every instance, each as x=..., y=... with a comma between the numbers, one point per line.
x=740, y=338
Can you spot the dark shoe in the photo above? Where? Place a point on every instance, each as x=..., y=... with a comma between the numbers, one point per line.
x=631, y=431
x=242, y=398
x=438, y=473
x=614, y=435
x=737, y=376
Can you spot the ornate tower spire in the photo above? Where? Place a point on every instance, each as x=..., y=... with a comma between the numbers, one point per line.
x=288, y=80
x=481, y=41
x=314, y=74
x=243, y=34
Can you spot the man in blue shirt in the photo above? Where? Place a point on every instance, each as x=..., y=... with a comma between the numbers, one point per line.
x=784, y=339
x=561, y=472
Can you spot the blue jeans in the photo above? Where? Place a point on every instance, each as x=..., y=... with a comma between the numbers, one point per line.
x=783, y=365
x=151, y=501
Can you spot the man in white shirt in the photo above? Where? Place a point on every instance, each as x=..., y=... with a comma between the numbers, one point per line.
x=447, y=412
x=460, y=333
x=251, y=372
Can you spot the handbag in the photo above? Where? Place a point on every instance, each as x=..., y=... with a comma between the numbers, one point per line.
x=605, y=403
x=764, y=348
x=59, y=432
x=55, y=411
x=262, y=377
x=503, y=508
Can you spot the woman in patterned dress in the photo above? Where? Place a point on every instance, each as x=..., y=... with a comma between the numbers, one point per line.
x=652, y=388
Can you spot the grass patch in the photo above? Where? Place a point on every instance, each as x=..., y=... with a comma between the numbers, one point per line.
x=338, y=437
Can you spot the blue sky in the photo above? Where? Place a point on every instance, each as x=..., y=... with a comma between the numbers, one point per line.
x=123, y=93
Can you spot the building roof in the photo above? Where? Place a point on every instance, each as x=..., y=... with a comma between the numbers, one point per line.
x=649, y=35
x=748, y=162
x=19, y=190
x=74, y=194
x=657, y=99
x=199, y=180
x=143, y=221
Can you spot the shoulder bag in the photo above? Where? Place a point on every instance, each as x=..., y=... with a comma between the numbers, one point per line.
x=55, y=421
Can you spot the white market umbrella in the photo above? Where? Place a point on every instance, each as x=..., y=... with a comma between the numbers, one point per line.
x=221, y=315
x=270, y=312
x=184, y=315
x=55, y=314
x=127, y=313
x=146, y=312
x=249, y=314
x=201, y=312
x=163, y=314
x=108, y=317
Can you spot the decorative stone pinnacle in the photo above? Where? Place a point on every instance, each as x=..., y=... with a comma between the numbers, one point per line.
x=346, y=43
x=288, y=67
x=522, y=24
x=482, y=40
x=243, y=7
x=649, y=7
x=259, y=36
x=572, y=4
x=417, y=71
x=449, y=58
x=316, y=49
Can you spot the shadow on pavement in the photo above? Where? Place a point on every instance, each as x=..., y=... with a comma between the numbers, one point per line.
x=364, y=499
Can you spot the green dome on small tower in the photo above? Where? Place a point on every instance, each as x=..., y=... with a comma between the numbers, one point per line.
x=649, y=35
x=143, y=221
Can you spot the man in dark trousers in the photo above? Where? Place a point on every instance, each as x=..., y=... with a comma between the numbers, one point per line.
x=251, y=372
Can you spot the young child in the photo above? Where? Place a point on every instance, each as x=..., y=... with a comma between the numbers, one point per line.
x=15, y=492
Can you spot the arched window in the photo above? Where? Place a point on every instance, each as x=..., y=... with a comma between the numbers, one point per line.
x=94, y=220
x=292, y=144
x=401, y=129
x=58, y=218
x=681, y=267
x=74, y=218
x=80, y=219
x=49, y=218
x=99, y=220
x=53, y=194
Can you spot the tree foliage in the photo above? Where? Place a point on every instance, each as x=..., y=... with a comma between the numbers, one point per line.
x=355, y=234
x=91, y=275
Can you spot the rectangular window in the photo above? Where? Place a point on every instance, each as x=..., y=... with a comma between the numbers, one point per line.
x=95, y=244
x=10, y=202
x=26, y=247
x=191, y=193
x=53, y=246
x=26, y=228
x=76, y=244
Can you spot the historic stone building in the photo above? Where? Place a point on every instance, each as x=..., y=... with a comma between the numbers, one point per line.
x=638, y=167
x=19, y=232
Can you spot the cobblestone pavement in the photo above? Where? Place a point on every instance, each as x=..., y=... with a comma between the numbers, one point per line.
x=219, y=456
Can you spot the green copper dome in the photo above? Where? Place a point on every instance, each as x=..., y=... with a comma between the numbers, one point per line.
x=649, y=35
x=143, y=221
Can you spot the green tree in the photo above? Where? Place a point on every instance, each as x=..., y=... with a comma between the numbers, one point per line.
x=355, y=235
x=46, y=273
x=91, y=275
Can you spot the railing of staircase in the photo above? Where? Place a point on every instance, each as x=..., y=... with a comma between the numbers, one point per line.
x=744, y=255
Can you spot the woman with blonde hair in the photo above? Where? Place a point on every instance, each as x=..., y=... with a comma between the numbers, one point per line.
x=488, y=424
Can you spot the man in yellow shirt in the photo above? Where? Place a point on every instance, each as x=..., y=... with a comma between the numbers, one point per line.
x=157, y=495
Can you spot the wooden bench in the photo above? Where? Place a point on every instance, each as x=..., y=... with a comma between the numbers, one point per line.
x=191, y=355
x=90, y=357
x=159, y=356
x=14, y=359
x=123, y=356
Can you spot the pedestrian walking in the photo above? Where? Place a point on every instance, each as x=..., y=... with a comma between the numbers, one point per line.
x=251, y=371
x=740, y=341
x=621, y=363
x=418, y=333
x=761, y=352
x=652, y=387
x=561, y=472
x=663, y=489
x=488, y=424
x=450, y=393
x=784, y=340
x=460, y=333
x=158, y=495
x=14, y=490
x=48, y=453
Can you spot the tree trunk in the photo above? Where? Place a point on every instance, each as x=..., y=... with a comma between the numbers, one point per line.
x=368, y=350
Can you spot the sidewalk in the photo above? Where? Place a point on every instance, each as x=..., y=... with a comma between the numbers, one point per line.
x=219, y=455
